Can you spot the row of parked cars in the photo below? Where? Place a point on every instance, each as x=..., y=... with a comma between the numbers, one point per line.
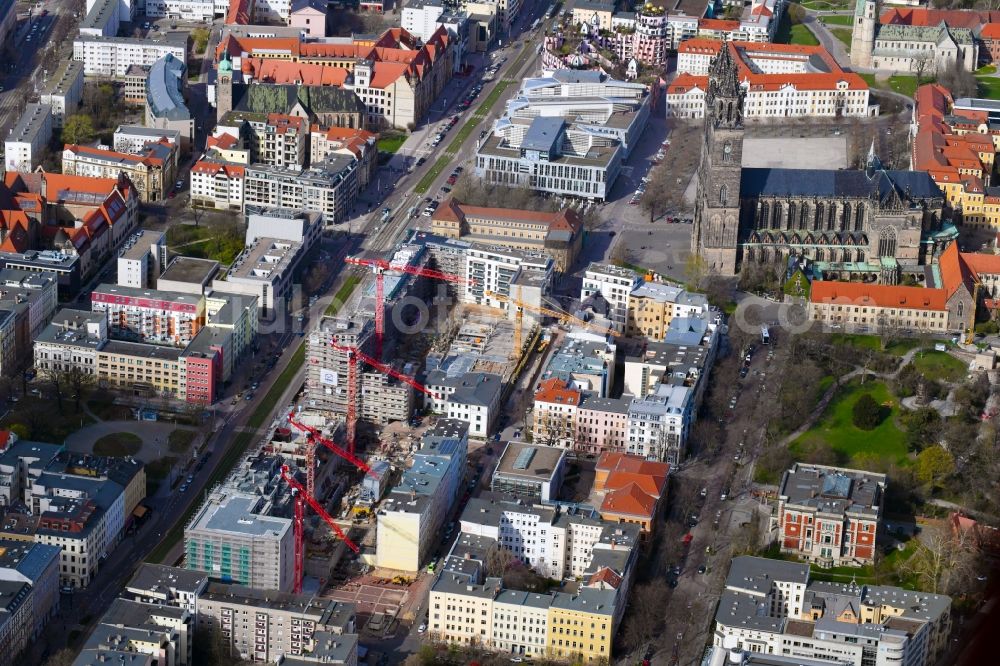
x=471, y=97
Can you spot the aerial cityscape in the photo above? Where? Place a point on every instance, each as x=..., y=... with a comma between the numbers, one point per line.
x=477, y=332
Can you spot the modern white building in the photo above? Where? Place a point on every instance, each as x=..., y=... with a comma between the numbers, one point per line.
x=186, y=10
x=133, y=139
x=103, y=18
x=659, y=423
x=64, y=91
x=142, y=258
x=25, y=145
x=112, y=56
x=613, y=284
x=475, y=399
x=230, y=538
x=566, y=132
x=497, y=276
x=420, y=17
x=165, y=107
x=217, y=184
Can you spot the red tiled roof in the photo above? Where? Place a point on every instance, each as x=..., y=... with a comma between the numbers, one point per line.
x=954, y=18
x=629, y=501
x=605, y=576
x=229, y=169
x=990, y=31
x=878, y=295
x=223, y=141
x=718, y=24
x=557, y=391
x=687, y=82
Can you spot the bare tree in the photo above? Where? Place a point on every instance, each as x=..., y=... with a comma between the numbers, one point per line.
x=943, y=562
x=498, y=561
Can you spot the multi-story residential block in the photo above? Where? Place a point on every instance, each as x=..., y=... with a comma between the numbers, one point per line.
x=412, y=515
x=25, y=144
x=152, y=172
x=781, y=80
x=346, y=141
x=533, y=473
x=133, y=632
x=555, y=419
x=266, y=270
x=659, y=423
x=217, y=184
x=64, y=91
x=601, y=424
x=557, y=234
x=667, y=362
x=830, y=515
x=165, y=105
x=167, y=586
x=71, y=342
x=186, y=10
x=771, y=607
x=231, y=535
x=102, y=19
x=587, y=365
x=29, y=592
x=613, y=284
x=329, y=187
x=653, y=305
x=150, y=315
x=310, y=17
x=142, y=259
x=27, y=303
x=582, y=625
x=134, y=139
x=134, y=89
x=566, y=133
x=475, y=399
x=112, y=56
x=264, y=626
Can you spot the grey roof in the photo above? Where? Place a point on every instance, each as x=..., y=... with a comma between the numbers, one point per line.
x=103, y=657
x=587, y=600
x=158, y=578
x=236, y=513
x=842, y=183
x=542, y=134
x=131, y=613
x=27, y=558
x=327, y=648
x=456, y=584
x=142, y=350
x=592, y=401
x=189, y=269
x=30, y=123
x=164, y=89
x=919, y=605
x=758, y=574
x=527, y=599
x=477, y=388
x=489, y=507
x=747, y=611
x=448, y=429
x=326, y=612
x=833, y=490
x=138, y=292
x=539, y=463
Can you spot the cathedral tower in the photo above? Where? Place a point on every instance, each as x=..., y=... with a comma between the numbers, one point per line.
x=224, y=87
x=717, y=210
x=863, y=39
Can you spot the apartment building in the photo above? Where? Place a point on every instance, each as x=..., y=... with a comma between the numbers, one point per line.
x=103, y=18
x=555, y=419
x=29, y=592
x=558, y=234
x=112, y=56
x=875, y=307
x=520, y=623
x=25, y=145
x=150, y=315
x=601, y=424
x=582, y=626
x=771, y=607
x=142, y=259
x=830, y=515
x=166, y=586
x=152, y=172
x=653, y=305
x=266, y=270
x=135, y=632
x=71, y=342
x=27, y=303
x=614, y=285
x=532, y=473
x=497, y=275
x=412, y=515
x=232, y=536
x=781, y=80
x=475, y=399
x=659, y=424
x=566, y=133
x=164, y=100
x=134, y=139
x=186, y=10
x=328, y=369
x=64, y=91
x=346, y=141
x=668, y=362
x=329, y=187
x=217, y=184
x=586, y=365
x=265, y=626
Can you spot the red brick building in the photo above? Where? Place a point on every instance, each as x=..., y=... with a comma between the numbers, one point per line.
x=829, y=515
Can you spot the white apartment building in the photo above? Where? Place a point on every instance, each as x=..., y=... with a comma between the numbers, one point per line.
x=25, y=145
x=217, y=184
x=64, y=91
x=186, y=10
x=265, y=269
x=659, y=423
x=475, y=399
x=142, y=258
x=230, y=537
x=72, y=340
x=461, y=612
x=495, y=275
x=614, y=284
x=112, y=56
x=420, y=17
x=133, y=139
x=103, y=18
x=272, y=11
x=329, y=187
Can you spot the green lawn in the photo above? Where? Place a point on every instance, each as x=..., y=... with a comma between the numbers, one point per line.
x=800, y=34
x=874, y=343
x=350, y=282
x=904, y=85
x=390, y=143
x=989, y=87
x=839, y=19
x=986, y=69
x=436, y=169
x=843, y=34
x=835, y=428
x=235, y=451
x=827, y=5
x=118, y=444
x=940, y=365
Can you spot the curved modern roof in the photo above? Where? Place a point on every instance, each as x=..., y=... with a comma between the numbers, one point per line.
x=164, y=89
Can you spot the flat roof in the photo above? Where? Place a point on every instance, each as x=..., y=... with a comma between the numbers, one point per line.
x=142, y=350
x=191, y=270
x=233, y=513
x=138, y=245
x=833, y=489
x=265, y=260
x=527, y=461
x=30, y=123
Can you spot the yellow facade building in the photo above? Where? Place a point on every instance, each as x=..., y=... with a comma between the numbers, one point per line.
x=582, y=626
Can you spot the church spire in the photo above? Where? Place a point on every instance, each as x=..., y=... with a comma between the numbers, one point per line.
x=872, y=163
x=724, y=101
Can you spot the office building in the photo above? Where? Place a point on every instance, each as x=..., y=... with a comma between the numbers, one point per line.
x=64, y=91
x=566, y=133
x=265, y=270
x=24, y=146
x=830, y=515
x=142, y=259
x=410, y=519
x=533, y=473
x=165, y=105
x=232, y=537
x=167, y=586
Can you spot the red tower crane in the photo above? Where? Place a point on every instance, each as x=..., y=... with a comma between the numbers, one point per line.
x=297, y=527
x=379, y=267
x=315, y=436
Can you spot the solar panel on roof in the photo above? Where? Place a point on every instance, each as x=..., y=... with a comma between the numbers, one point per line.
x=524, y=459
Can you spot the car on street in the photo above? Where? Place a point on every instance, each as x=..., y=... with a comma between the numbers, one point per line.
x=421, y=161
x=422, y=628
x=702, y=569
x=183, y=488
